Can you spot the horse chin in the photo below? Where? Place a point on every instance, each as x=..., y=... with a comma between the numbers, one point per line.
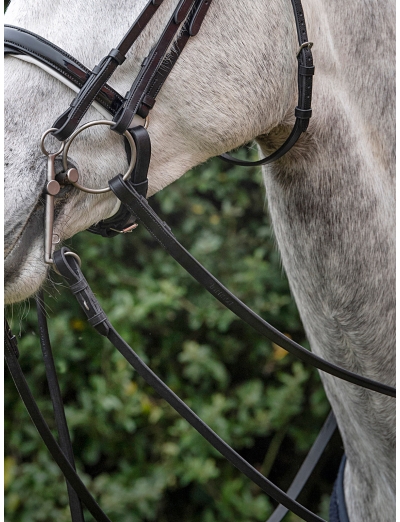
x=24, y=267
x=23, y=280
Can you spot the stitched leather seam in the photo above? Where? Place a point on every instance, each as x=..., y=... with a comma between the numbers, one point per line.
x=91, y=96
x=148, y=212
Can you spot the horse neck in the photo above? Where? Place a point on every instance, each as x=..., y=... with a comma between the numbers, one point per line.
x=330, y=198
x=332, y=206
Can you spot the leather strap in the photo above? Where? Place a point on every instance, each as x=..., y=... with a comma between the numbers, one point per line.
x=58, y=406
x=155, y=69
x=292, y=139
x=69, y=268
x=79, y=285
x=70, y=119
x=20, y=41
x=123, y=218
x=139, y=206
x=141, y=97
x=315, y=453
x=11, y=357
x=303, y=110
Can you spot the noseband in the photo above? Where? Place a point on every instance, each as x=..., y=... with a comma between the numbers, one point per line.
x=130, y=115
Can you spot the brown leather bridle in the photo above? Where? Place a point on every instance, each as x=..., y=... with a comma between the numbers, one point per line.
x=184, y=24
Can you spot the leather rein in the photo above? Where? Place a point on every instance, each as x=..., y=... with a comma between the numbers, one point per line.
x=131, y=190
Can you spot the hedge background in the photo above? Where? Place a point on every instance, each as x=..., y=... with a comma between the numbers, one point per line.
x=140, y=460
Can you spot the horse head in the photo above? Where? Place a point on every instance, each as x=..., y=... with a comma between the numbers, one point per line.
x=191, y=121
x=331, y=198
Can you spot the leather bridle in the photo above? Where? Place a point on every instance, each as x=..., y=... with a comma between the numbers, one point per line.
x=184, y=24
x=131, y=190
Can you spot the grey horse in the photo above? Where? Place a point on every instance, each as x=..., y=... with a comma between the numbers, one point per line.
x=331, y=197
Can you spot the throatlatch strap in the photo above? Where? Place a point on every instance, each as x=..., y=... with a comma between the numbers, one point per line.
x=303, y=111
x=69, y=268
x=140, y=207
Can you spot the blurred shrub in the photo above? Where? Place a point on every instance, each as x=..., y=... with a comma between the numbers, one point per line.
x=140, y=460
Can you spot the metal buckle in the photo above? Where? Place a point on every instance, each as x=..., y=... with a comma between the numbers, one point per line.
x=126, y=230
x=302, y=46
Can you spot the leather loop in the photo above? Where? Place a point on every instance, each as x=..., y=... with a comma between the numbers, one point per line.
x=117, y=55
x=149, y=101
x=306, y=71
x=141, y=188
x=303, y=114
x=80, y=285
x=96, y=69
x=97, y=319
x=143, y=111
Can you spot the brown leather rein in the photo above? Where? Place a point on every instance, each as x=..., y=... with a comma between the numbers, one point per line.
x=131, y=190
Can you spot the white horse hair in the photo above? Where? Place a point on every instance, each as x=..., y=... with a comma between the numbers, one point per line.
x=331, y=198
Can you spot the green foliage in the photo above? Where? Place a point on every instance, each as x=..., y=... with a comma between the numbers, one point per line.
x=139, y=458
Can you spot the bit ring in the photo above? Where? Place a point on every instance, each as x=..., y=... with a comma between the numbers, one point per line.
x=75, y=134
